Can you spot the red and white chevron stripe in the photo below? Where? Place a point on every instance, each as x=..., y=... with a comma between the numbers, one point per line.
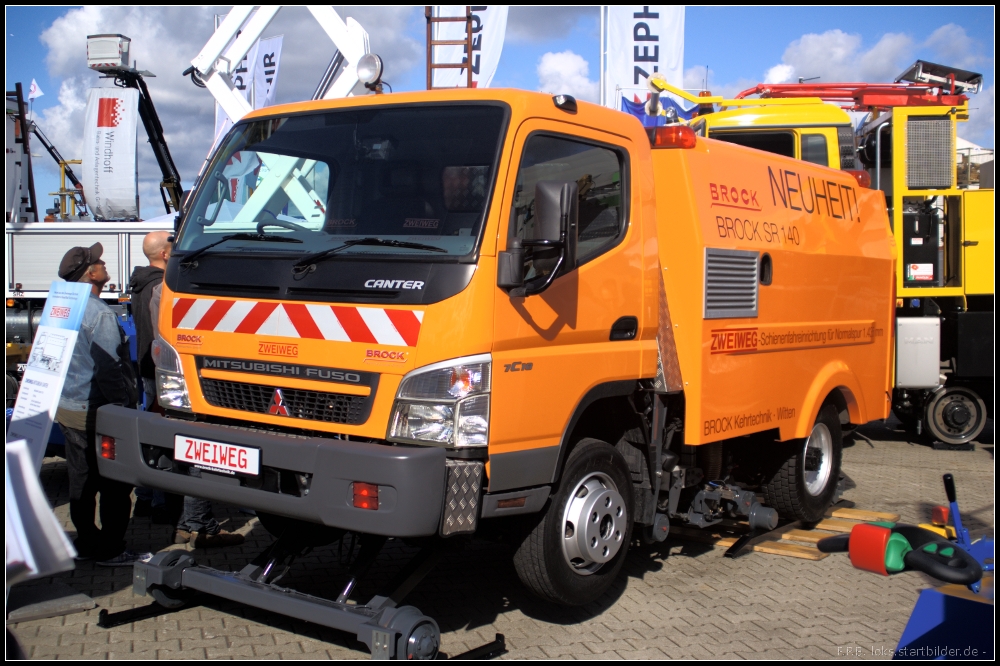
x=299, y=320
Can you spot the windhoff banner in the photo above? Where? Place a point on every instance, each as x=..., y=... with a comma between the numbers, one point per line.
x=109, y=168
x=489, y=25
x=642, y=40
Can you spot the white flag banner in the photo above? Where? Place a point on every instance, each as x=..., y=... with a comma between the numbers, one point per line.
x=642, y=40
x=265, y=71
x=34, y=91
x=489, y=25
x=109, y=168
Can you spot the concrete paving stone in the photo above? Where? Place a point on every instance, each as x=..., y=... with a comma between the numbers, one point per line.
x=229, y=651
x=57, y=652
x=263, y=650
x=191, y=643
x=152, y=643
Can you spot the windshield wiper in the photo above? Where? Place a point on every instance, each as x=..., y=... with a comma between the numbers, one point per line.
x=307, y=264
x=259, y=238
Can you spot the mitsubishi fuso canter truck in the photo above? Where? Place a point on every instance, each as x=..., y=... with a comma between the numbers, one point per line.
x=406, y=315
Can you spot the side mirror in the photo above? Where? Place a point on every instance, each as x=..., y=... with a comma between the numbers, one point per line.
x=557, y=212
x=555, y=228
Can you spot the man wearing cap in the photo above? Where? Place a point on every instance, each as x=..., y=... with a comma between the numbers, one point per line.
x=99, y=374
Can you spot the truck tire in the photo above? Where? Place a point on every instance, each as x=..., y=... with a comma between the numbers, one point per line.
x=804, y=485
x=955, y=415
x=574, y=553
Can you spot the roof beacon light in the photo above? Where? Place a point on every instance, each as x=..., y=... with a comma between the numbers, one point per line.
x=370, y=71
x=565, y=102
x=672, y=136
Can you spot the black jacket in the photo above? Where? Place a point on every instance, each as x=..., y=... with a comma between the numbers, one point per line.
x=144, y=278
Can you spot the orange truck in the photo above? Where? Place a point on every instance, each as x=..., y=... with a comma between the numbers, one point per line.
x=410, y=315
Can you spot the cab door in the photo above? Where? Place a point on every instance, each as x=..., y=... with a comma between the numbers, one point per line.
x=551, y=348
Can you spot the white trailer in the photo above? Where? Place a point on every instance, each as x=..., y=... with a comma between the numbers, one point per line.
x=32, y=252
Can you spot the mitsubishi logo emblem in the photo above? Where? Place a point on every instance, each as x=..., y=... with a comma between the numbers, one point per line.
x=278, y=404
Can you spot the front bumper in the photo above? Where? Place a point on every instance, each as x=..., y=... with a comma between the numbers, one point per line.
x=411, y=480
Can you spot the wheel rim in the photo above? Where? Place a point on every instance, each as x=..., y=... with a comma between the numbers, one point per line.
x=955, y=417
x=594, y=524
x=818, y=461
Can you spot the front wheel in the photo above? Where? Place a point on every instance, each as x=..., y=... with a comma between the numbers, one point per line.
x=578, y=547
x=804, y=485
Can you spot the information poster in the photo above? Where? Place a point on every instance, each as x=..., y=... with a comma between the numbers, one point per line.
x=45, y=372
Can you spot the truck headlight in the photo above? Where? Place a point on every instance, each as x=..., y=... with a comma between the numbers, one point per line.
x=446, y=404
x=171, y=388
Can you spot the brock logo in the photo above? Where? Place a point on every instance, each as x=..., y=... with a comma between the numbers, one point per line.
x=278, y=407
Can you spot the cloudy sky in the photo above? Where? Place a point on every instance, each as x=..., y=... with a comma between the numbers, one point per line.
x=555, y=49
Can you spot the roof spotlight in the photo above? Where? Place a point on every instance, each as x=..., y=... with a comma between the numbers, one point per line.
x=370, y=72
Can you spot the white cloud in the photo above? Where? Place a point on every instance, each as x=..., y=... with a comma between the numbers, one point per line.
x=566, y=72
x=952, y=46
x=164, y=40
x=779, y=74
x=838, y=56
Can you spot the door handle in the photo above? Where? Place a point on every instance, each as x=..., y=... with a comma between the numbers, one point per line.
x=625, y=328
x=970, y=243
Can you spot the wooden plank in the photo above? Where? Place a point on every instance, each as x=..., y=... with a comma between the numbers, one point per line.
x=789, y=550
x=806, y=536
x=702, y=536
x=866, y=516
x=835, y=525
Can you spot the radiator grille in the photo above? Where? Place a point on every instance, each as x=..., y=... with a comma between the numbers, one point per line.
x=297, y=403
x=730, y=283
x=930, y=155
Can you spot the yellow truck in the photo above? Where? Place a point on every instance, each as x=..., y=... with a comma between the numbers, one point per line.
x=943, y=225
x=408, y=315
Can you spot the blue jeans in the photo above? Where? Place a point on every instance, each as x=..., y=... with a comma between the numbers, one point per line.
x=197, y=515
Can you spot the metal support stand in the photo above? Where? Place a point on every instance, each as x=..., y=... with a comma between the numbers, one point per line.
x=390, y=631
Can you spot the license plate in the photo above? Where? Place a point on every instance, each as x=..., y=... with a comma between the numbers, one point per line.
x=217, y=456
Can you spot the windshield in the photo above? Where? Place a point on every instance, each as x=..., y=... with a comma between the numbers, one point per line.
x=418, y=175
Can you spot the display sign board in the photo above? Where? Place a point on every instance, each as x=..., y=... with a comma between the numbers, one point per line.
x=45, y=373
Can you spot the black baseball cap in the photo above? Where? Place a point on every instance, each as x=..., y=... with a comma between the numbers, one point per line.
x=77, y=260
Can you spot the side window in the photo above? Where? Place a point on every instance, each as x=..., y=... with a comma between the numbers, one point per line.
x=814, y=149
x=779, y=143
x=596, y=170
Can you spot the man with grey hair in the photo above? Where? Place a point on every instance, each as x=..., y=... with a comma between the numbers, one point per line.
x=99, y=373
x=156, y=247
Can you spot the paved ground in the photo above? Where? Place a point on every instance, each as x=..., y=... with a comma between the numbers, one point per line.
x=677, y=600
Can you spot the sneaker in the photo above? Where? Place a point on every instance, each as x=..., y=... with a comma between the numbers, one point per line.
x=125, y=558
x=220, y=540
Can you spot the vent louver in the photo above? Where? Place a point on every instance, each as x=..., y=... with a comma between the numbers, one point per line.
x=730, y=283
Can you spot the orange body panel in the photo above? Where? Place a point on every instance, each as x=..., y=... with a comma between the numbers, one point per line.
x=824, y=323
